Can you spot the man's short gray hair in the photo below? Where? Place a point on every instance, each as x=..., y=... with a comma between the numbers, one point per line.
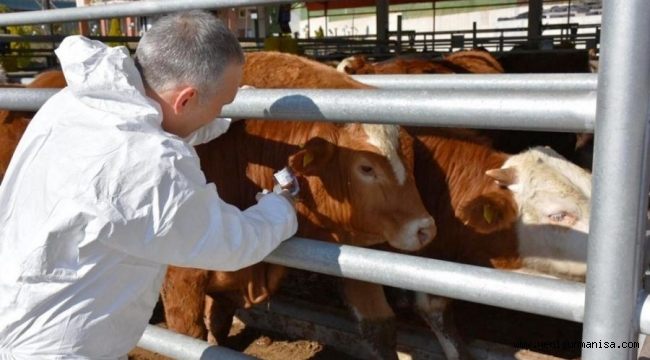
x=188, y=48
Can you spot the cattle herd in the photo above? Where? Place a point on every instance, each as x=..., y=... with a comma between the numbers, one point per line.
x=516, y=201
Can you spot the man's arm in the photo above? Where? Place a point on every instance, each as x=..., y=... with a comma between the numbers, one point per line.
x=189, y=225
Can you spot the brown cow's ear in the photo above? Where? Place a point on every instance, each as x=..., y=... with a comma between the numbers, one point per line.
x=489, y=212
x=314, y=154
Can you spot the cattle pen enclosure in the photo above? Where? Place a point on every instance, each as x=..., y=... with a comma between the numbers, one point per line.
x=613, y=306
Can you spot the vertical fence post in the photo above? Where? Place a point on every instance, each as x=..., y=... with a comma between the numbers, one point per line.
x=382, y=27
x=619, y=201
x=501, y=41
x=474, y=42
x=399, y=34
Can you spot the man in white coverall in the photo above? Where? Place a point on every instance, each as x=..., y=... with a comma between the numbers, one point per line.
x=105, y=189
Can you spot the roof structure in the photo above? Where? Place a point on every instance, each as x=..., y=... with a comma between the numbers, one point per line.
x=343, y=4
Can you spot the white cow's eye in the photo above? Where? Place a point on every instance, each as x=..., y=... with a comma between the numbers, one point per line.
x=558, y=216
x=564, y=217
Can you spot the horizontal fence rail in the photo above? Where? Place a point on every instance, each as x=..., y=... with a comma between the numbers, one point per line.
x=140, y=8
x=549, y=297
x=486, y=82
x=505, y=109
x=24, y=99
x=177, y=346
x=557, y=298
x=572, y=112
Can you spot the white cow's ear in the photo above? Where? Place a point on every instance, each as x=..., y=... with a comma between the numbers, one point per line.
x=503, y=176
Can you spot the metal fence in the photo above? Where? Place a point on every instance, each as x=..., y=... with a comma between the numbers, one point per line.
x=338, y=47
x=612, y=304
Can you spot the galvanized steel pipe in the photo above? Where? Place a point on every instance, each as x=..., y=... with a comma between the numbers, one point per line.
x=140, y=8
x=179, y=346
x=24, y=99
x=484, y=82
x=571, y=112
x=556, y=298
x=620, y=181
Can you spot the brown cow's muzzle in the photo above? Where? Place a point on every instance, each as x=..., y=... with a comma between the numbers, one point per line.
x=415, y=234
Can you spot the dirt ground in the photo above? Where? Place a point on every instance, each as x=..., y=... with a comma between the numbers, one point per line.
x=474, y=321
x=263, y=345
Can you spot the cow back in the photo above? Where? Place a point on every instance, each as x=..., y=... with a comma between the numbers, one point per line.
x=270, y=70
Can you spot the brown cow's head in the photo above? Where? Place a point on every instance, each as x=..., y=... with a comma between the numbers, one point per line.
x=355, y=65
x=361, y=186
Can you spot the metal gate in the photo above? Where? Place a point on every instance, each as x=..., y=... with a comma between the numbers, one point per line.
x=612, y=305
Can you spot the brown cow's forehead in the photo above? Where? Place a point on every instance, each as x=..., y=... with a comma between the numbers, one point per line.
x=385, y=141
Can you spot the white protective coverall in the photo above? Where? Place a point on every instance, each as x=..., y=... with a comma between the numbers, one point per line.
x=98, y=197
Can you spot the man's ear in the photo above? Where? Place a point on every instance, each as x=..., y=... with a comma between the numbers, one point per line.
x=312, y=157
x=489, y=212
x=184, y=97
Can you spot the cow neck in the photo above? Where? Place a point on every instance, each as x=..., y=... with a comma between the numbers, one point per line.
x=316, y=200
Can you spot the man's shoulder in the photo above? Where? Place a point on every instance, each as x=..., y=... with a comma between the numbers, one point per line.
x=164, y=153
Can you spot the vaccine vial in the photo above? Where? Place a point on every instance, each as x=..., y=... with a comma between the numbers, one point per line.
x=287, y=180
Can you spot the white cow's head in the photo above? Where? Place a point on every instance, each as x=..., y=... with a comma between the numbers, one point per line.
x=553, y=198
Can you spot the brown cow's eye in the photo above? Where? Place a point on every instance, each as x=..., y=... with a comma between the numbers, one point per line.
x=367, y=170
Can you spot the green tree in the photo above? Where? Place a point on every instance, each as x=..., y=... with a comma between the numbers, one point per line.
x=11, y=61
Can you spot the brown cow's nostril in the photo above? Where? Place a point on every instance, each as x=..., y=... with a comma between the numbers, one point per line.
x=427, y=231
x=424, y=235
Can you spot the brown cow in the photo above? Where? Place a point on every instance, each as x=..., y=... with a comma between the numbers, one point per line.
x=357, y=188
x=575, y=147
x=14, y=123
x=468, y=61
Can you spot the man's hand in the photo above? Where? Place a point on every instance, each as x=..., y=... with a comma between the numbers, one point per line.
x=279, y=191
x=286, y=194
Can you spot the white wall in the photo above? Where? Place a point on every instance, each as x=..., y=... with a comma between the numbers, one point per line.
x=422, y=21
